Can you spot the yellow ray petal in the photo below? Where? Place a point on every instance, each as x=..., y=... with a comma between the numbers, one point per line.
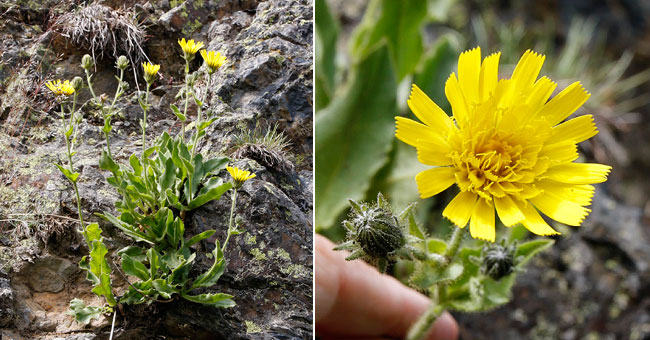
x=460, y=209
x=481, y=225
x=561, y=210
x=575, y=130
x=409, y=131
x=433, y=181
x=434, y=152
x=540, y=93
x=427, y=111
x=579, y=193
x=526, y=71
x=508, y=211
x=469, y=69
x=564, y=104
x=560, y=153
x=489, y=76
x=579, y=173
x=457, y=100
x=534, y=221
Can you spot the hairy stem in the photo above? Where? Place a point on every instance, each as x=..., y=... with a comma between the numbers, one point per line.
x=108, y=114
x=197, y=124
x=187, y=97
x=232, y=213
x=90, y=86
x=421, y=327
x=71, y=168
x=112, y=326
x=454, y=243
x=144, y=130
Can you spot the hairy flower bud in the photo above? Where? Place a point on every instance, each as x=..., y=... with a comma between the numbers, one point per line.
x=191, y=78
x=77, y=83
x=122, y=63
x=498, y=260
x=377, y=230
x=87, y=62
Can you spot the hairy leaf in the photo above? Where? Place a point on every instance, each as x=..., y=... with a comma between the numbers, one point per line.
x=82, y=313
x=353, y=136
x=216, y=299
x=134, y=268
x=211, y=277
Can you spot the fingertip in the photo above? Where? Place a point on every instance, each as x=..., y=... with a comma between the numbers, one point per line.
x=445, y=328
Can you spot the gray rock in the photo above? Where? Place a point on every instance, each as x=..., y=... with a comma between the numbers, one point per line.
x=6, y=302
x=47, y=274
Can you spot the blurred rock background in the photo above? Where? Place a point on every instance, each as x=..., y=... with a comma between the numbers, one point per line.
x=595, y=282
x=262, y=98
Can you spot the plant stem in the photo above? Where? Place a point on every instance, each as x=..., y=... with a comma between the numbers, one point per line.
x=187, y=97
x=232, y=212
x=454, y=243
x=90, y=86
x=144, y=140
x=74, y=184
x=107, y=115
x=197, y=124
x=112, y=326
x=421, y=327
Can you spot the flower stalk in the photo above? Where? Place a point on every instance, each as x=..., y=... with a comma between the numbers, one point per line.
x=421, y=327
x=233, y=197
x=69, y=138
x=145, y=108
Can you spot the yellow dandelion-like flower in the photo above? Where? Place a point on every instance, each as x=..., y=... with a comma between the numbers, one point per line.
x=150, y=71
x=239, y=176
x=60, y=88
x=505, y=147
x=213, y=60
x=190, y=47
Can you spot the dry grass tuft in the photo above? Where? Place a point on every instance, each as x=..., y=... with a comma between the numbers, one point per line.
x=268, y=148
x=104, y=30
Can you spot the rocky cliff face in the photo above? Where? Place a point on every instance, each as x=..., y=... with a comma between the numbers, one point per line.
x=267, y=81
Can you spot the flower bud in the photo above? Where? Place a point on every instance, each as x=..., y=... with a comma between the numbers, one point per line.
x=122, y=63
x=191, y=79
x=87, y=62
x=498, y=260
x=377, y=230
x=77, y=83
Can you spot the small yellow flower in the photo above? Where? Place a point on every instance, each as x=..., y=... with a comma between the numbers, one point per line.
x=190, y=47
x=239, y=176
x=60, y=88
x=506, y=147
x=150, y=71
x=213, y=60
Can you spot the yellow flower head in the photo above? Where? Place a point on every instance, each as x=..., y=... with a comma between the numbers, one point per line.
x=505, y=147
x=239, y=176
x=213, y=60
x=150, y=71
x=60, y=88
x=190, y=47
